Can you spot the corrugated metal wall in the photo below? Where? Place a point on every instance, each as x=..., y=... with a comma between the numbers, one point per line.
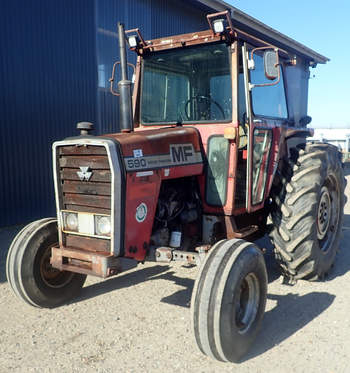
x=48, y=82
x=56, y=58
x=155, y=18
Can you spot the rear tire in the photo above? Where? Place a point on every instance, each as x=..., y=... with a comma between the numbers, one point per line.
x=308, y=210
x=228, y=300
x=30, y=273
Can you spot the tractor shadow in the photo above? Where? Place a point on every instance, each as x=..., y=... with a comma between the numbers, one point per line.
x=291, y=313
x=181, y=297
x=121, y=281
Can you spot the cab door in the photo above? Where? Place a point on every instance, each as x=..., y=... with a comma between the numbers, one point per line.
x=266, y=110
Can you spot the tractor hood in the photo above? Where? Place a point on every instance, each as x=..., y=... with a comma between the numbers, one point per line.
x=159, y=148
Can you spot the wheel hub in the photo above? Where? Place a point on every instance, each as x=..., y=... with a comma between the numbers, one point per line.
x=324, y=213
x=53, y=277
x=248, y=303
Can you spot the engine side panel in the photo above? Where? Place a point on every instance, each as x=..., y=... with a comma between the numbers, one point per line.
x=150, y=157
x=140, y=208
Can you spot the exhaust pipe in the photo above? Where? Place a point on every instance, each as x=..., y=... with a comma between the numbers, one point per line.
x=124, y=86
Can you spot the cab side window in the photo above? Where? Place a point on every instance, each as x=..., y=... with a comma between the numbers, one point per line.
x=268, y=101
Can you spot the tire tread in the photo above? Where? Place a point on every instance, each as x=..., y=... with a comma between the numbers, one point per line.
x=294, y=235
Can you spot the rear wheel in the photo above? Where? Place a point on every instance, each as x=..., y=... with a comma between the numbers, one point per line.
x=30, y=273
x=228, y=300
x=308, y=211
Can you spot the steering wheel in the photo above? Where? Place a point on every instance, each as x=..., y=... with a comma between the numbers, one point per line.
x=206, y=115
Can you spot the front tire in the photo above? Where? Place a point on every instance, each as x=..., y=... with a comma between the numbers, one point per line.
x=308, y=211
x=30, y=273
x=228, y=300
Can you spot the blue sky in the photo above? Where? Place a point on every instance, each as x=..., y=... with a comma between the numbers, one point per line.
x=323, y=26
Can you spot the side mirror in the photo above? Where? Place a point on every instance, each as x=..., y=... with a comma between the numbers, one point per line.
x=271, y=65
x=272, y=69
x=112, y=79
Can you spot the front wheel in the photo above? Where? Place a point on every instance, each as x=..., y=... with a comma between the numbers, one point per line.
x=30, y=273
x=228, y=300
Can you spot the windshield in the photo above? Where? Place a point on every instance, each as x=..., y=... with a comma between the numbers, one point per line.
x=187, y=85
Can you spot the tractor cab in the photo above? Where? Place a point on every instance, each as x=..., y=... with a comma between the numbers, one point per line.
x=242, y=92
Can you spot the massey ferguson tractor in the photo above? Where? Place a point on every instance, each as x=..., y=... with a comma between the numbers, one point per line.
x=212, y=155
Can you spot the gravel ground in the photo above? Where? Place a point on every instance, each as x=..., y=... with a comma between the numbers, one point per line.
x=140, y=321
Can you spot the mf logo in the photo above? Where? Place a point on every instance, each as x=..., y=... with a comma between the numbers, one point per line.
x=84, y=173
x=181, y=153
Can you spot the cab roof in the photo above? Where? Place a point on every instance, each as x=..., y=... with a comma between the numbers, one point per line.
x=258, y=29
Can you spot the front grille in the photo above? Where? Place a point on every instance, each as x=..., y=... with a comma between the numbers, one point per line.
x=84, y=196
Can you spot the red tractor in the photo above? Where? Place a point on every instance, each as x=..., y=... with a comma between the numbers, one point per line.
x=212, y=154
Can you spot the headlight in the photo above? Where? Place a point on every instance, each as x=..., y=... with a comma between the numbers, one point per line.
x=87, y=223
x=103, y=225
x=71, y=221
